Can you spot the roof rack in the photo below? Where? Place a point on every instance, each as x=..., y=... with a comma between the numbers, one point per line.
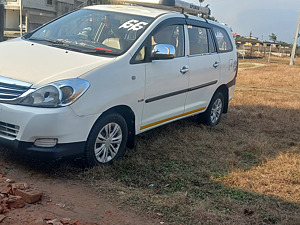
x=189, y=6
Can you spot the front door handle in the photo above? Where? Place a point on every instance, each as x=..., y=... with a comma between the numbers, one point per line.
x=184, y=70
x=216, y=64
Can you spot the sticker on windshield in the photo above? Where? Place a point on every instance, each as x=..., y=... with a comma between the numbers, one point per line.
x=133, y=25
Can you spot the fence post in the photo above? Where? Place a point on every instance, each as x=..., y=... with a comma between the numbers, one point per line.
x=293, y=53
x=1, y=22
x=270, y=53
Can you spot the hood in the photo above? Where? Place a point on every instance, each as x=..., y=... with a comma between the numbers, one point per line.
x=41, y=64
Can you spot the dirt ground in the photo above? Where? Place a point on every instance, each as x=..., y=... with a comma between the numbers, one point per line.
x=64, y=200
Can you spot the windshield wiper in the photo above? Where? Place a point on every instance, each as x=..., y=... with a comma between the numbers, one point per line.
x=65, y=45
x=60, y=42
x=53, y=42
x=96, y=51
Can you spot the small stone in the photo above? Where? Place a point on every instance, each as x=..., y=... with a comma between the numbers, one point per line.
x=51, y=221
x=39, y=222
x=61, y=205
x=9, y=180
x=2, y=179
x=5, y=189
x=2, y=217
x=75, y=222
x=29, y=195
x=65, y=221
x=3, y=200
x=15, y=202
x=4, y=205
x=49, y=217
x=20, y=186
x=57, y=223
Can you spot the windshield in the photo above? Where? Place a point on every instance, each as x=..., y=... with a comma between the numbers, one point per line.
x=93, y=31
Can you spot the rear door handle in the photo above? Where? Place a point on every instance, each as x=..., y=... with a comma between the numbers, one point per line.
x=184, y=70
x=216, y=64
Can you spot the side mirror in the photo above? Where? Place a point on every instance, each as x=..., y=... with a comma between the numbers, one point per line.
x=163, y=51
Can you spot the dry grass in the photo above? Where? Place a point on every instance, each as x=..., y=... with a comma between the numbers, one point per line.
x=272, y=75
x=243, y=171
x=279, y=90
x=279, y=177
x=251, y=65
x=259, y=137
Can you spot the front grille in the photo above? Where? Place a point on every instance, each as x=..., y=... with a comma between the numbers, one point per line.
x=8, y=130
x=11, y=89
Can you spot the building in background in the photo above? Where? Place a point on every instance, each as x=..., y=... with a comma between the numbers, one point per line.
x=248, y=41
x=34, y=13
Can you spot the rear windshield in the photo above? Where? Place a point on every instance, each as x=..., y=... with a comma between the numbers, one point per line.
x=93, y=31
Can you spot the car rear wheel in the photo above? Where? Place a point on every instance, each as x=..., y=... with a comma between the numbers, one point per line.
x=212, y=115
x=107, y=140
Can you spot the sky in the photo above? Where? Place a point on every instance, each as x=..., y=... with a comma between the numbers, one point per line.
x=261, y=17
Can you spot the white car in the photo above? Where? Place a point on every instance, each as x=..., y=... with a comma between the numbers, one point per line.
x=86, y=84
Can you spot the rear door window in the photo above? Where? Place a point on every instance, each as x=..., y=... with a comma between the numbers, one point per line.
x=200, y=40
x=223, y=40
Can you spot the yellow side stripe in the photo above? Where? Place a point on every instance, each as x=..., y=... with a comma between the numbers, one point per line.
x=171, y=118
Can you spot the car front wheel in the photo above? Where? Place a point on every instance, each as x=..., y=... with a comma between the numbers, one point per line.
x=107, y=140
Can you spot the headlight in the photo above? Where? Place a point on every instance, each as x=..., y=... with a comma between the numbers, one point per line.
x=56, y=94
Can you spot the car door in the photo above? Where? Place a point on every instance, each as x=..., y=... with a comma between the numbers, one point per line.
x=204, y=67
x=166, y=80
x=227, y=55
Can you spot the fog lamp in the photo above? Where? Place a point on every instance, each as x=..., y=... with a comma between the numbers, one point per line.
x=45, y=142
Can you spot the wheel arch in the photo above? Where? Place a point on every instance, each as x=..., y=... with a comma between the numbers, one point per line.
x=129, y=117
x=224, y=90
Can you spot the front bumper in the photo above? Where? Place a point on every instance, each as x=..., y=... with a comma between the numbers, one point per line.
x=21, y=126
x=27, y=149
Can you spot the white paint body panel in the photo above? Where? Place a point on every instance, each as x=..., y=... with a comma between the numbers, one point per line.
x=202, y=72
x=163, y=77
x=60, y=123
x=40, y=64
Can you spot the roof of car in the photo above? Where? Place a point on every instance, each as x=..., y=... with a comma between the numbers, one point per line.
x=131, y=9
x=146, y=11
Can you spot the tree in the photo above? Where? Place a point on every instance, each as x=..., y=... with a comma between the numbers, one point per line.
x=239, y=37
x=273, y=37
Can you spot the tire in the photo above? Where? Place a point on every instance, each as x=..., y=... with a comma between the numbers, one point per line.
x=212, y=115
x=107, y=140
